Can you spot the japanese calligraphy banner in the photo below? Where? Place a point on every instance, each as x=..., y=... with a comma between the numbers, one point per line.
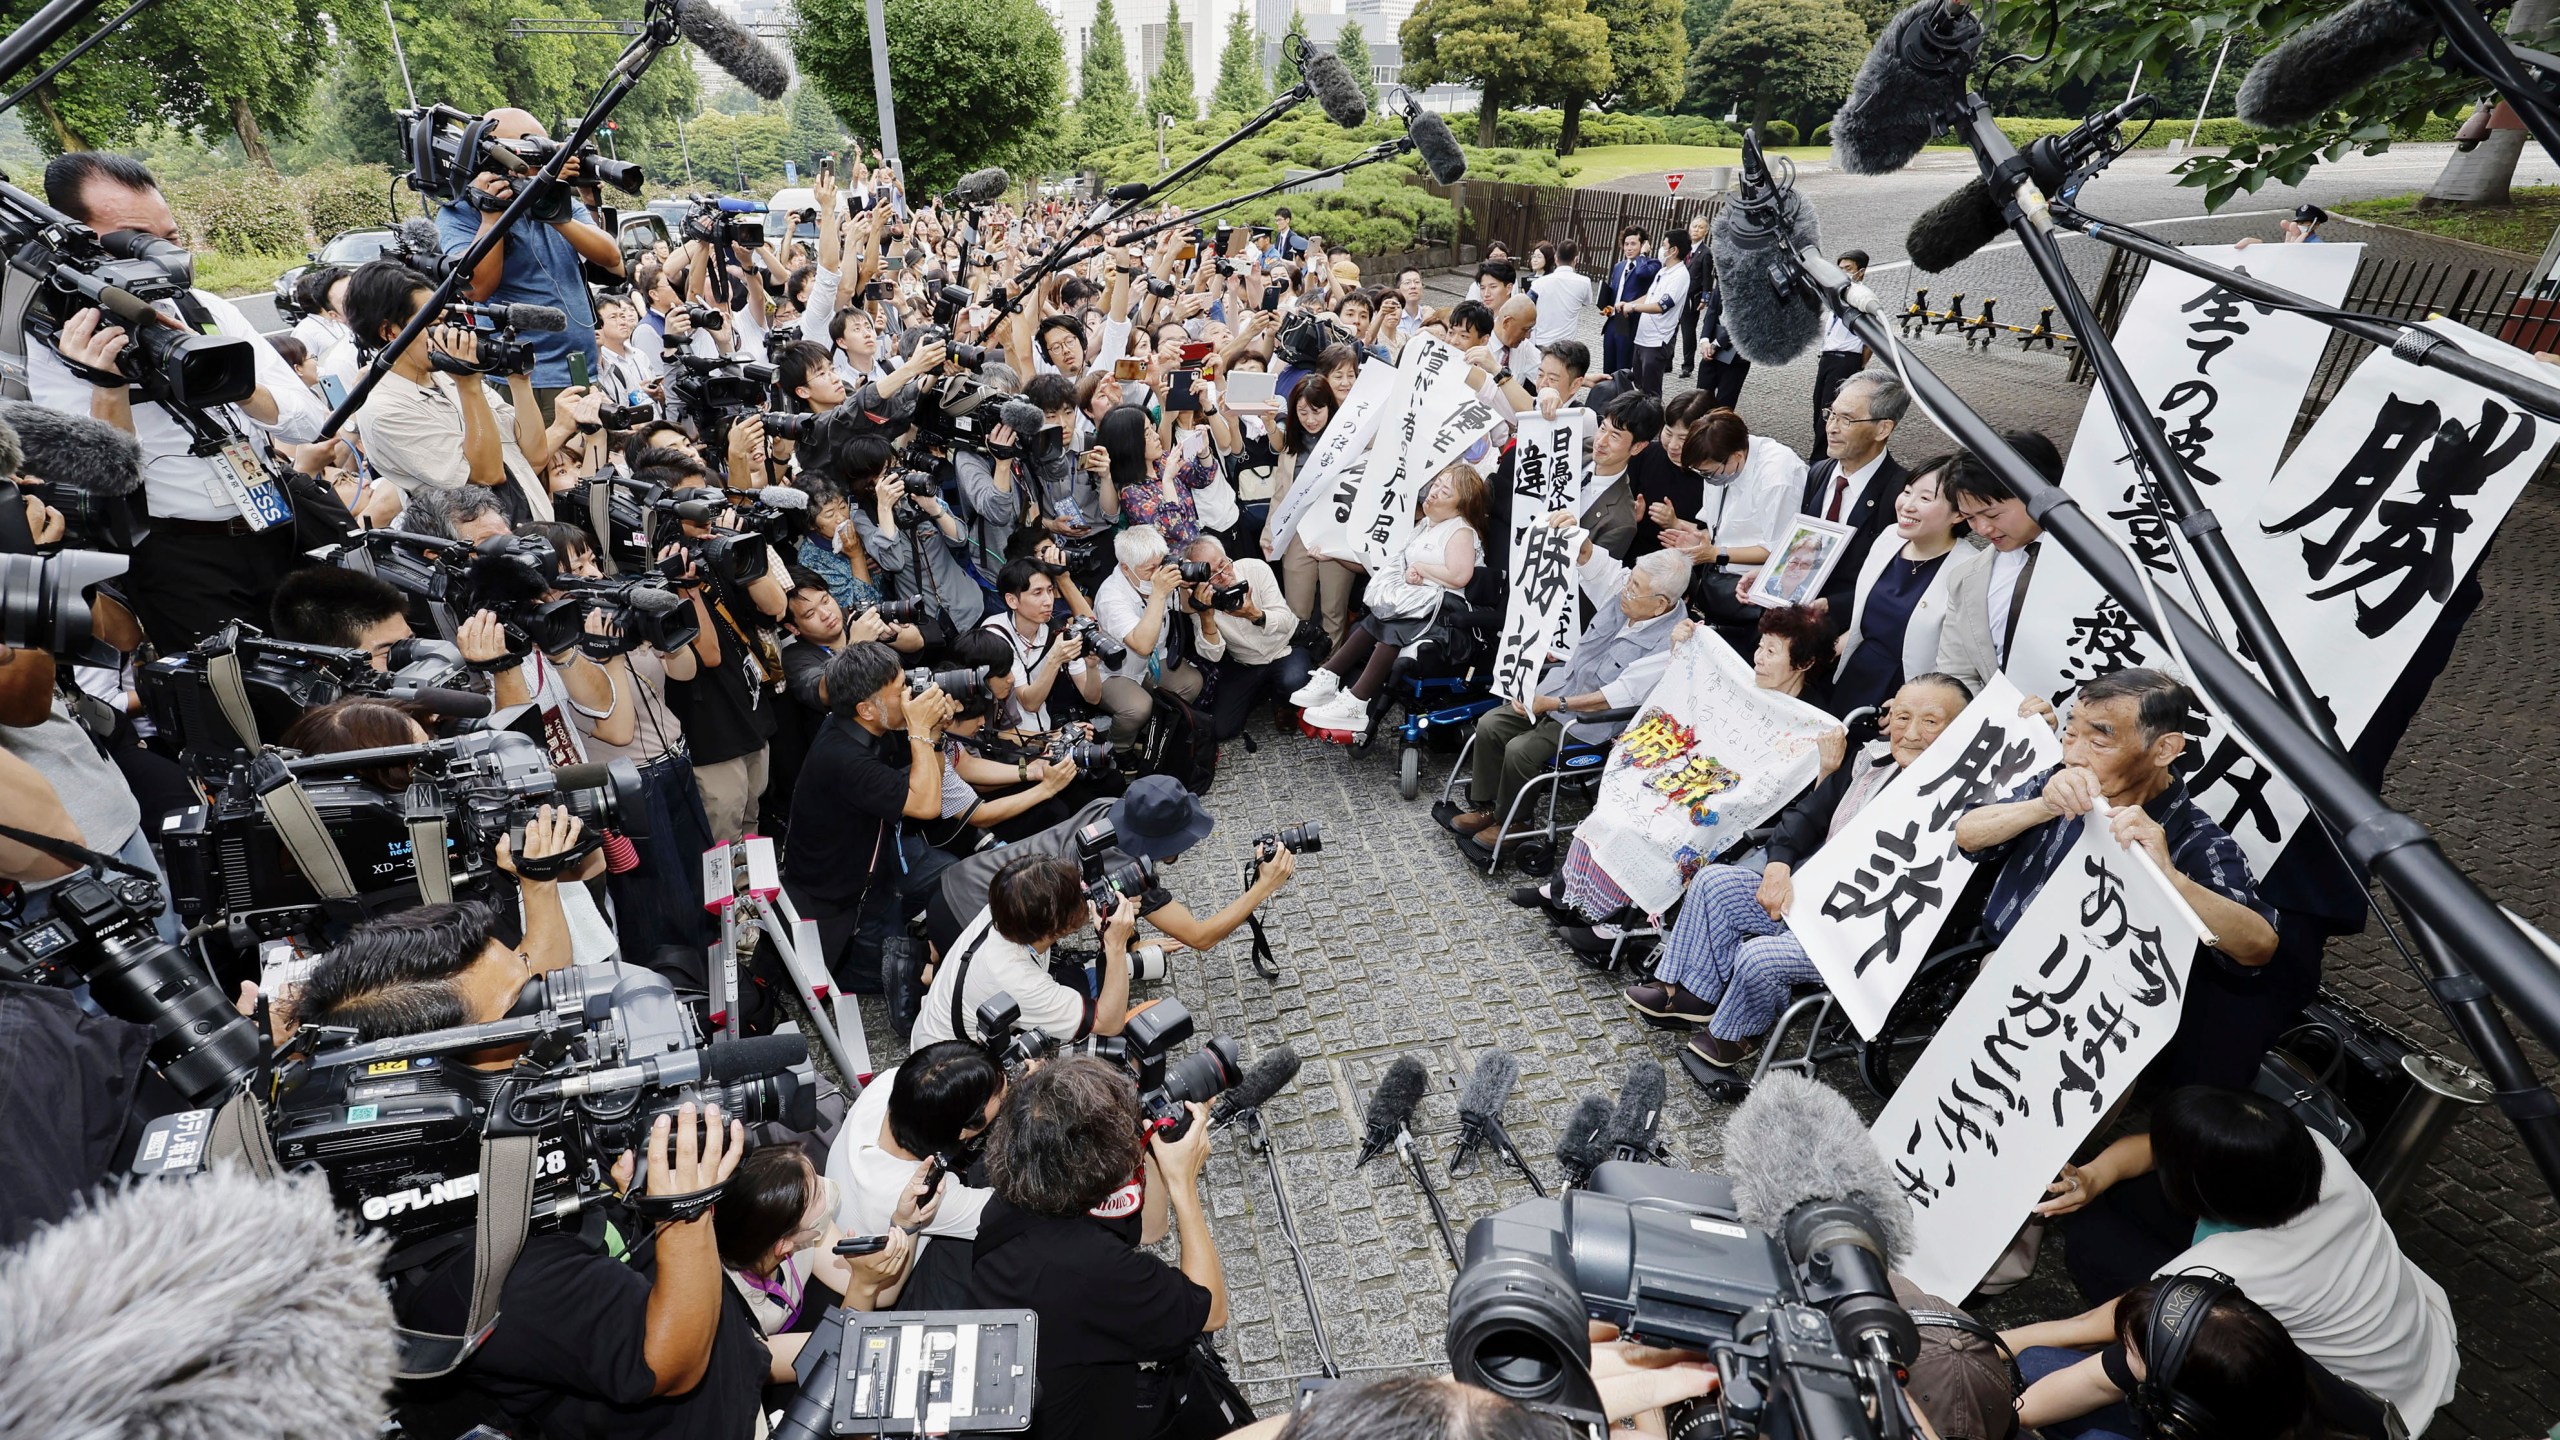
x=2223, y=376
x=1709, y=757
x=2083, y=993
x=1549, y=467
x=1335, y=458
x=1542, y=589
x=1441, y=418
x=1870, y=901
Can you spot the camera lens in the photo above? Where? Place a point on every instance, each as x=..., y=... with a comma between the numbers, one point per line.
x=1205, y=1074
x=1517, y=1328
x=40, y=603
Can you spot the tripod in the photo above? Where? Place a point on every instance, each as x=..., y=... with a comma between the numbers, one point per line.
x=742, y=884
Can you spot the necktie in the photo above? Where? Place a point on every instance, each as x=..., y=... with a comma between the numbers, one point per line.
x=1839, y=492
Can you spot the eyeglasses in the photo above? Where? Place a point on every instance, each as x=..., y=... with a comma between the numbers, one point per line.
x=1831, y=415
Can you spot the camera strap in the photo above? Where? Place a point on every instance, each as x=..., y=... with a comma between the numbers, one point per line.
x=70, y=854
x=507, y=1165
x=960, y=980
x=231, y=697
x=288, y=808
x=427, y=849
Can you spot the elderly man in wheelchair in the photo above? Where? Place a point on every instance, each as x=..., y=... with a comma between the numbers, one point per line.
x=1731, y=960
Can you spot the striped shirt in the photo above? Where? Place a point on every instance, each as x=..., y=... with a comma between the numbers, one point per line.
x=2199, y=849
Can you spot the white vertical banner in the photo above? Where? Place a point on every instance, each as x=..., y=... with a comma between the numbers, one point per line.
x=2225, y=377
x=1342, y=446
x=1549, y=467
x=1871, y=900
x=2083, y=993
x=1543, y=588
x=1710, y=756
x=1440, y=418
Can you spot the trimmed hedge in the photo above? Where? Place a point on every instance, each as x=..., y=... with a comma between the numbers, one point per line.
x=346, y=197
x=1779, y=133
x=245, y=211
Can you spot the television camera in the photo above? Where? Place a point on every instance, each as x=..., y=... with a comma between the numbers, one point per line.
x=280, y=679
x=127, y=275
x=446, y=149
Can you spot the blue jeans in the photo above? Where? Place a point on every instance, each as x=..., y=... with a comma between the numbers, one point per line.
x=2108, y=1422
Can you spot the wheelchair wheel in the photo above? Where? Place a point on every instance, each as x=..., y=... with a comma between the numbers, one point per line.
x=1924, y=1006
x=1409, y=772
x=1536, y=858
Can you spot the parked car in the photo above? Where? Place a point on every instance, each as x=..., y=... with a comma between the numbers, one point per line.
x=641, y=231
x=348, y=247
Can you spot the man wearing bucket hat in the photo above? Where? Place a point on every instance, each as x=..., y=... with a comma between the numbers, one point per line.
x=1156, y=821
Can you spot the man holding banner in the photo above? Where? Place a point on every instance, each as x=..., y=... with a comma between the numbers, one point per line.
x=2123, y=734
x=1614, y=664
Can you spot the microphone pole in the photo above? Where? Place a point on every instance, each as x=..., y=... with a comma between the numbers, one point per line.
x=2441, y=900
x=1430, y=1192
x=2029, y=217
x=657, y=33
x=2403, y=338
x=1260, y=1140
x=2494, y=58
x=1491, y=1131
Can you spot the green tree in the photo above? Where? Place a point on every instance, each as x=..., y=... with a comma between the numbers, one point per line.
x=1352, y=49
x=1106, y=102
x=1172, y=90
x=1240, y=90
x=1513, y=51
x=1646, y=53
x=980, y=82
x=1698, y=20
x=1774, y=59
x=815, y=130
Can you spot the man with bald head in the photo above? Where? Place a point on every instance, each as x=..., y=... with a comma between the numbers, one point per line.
x=1513, y=352
x=536, y=264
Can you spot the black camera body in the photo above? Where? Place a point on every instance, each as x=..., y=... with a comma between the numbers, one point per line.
x=282, y=679
x=124, y=274
x=1166, y=1086
x=101, y=934
x=1095, y=641
x=1303, y=838
x=639, y=610
x=446, y=149
x=714, y=392
x=227, y=861
x=502, y=349
x=622, y=527
x=737, y=555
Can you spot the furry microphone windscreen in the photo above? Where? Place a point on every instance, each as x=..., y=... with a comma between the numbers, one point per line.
x=1269, y=1076
x=219, y=1307
x=979, y=187
x=13, y=456
x=747, y=60
x=1768, y=329
x=1438, y=148
x=1638, y=1116
x=1489, y=1088
x=1023, y=417
x=1907, y=89
x=2314, y=72
x=1954, y=228
x=1392, y=1104
x=1579, y=1148
x=1797, y=1139
x=1335, y=89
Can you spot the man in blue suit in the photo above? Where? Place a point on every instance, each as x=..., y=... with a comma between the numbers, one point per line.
x=1629, y=279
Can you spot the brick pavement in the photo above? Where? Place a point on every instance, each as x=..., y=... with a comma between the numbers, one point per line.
x=1389, y=945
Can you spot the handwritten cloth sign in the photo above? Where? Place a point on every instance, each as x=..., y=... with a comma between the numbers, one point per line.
x=1709, y=757
x=2082, y=995
x=1543, y=588
x=1872, y=899
x=1549, y=468
x=1441, y=418
x=1339, y=450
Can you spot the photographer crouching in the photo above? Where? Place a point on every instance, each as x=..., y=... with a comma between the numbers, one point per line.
x=1254, y=658
x=623, y=1326
x=1124, y=1350
x=1034, y=903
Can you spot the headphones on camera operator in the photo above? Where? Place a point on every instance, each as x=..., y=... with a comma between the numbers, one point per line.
x=2179, y=1307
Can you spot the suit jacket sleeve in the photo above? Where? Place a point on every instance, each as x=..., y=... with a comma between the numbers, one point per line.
x=1964, y=645
x=1806, y=823
x=1612, y=524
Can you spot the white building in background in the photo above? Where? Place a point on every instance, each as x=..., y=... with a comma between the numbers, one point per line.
x=1142, y=32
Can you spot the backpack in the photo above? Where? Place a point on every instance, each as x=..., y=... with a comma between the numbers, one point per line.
x=1181, y=742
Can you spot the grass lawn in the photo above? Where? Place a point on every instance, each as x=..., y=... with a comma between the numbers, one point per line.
x=1600, y=164
x=2523, y=228
x=232, y=276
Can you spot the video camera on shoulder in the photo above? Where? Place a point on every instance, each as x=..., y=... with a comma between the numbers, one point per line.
x=283, y=678
x=446, y=149
x=776, y=516
x=616, y=510
x=722, y=220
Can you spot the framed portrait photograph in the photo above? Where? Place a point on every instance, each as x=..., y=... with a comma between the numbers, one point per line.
x=1798, y=564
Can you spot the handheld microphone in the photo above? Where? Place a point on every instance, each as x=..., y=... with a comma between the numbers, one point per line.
x=1438, y=148
x=1391, y=1105
x=1636, y=1122
x=2314, y=71
x=1269, y=1076
x=1579, y=1149
x=283, y=1308
x=746, y=59
x=1755, y=240
x=979, y=187
x=1907, y=88
x=719, y=1064
x=1331, y=82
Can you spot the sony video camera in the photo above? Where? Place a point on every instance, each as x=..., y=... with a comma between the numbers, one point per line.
x=446, y=149
x=126, y=274
x=397, y=1124
x=1801, y=1322
x=228, y=859
x=715, y=392
x=282, y=679
x=101, y=934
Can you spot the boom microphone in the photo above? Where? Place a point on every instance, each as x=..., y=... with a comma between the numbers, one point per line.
x=1023, y=418
x=1797, y=1141
x=1487, y=1091
x=721, y=1064
x=1954, y=228
x=2314, y=72
x=980, y=187
x=1638, y=1118
x=1756, y=238
x=231, y=1304
x=1579, y=1149
x=1907, y=89
x=91, y=471
x=1331, y=82
x=747, y=60
x=454, y=704
x=1391, y=1105
x=1438, y=148
x=1269, y=1076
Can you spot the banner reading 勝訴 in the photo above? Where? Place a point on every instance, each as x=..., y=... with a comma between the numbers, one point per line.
x=1543, y=596
x=1709, y=757
x=1550, y=467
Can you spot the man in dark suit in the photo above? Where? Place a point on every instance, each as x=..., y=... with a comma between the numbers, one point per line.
x=1628, y=280
x=1856, y=484
x=1721, y=368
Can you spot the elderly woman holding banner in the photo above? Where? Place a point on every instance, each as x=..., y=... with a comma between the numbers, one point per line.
x=1731, y=959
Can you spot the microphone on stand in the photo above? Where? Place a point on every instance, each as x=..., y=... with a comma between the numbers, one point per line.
x=1580, y=1150
x=1908, y=87
x=1480, y=1104
x=1756, y=238
x=1391, y=1105
x=1635, y=1124
x=1269, y=1076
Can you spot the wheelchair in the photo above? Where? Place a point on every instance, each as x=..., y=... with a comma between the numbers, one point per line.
x=1576, y=767
x=1437, y=683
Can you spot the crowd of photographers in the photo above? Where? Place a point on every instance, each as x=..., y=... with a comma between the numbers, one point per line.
x=818, y=527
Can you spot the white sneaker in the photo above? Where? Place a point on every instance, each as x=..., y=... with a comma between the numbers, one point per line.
x=1320, y=689
x=1345, y=713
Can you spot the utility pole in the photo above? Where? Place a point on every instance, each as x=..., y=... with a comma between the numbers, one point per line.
x=880, y=91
